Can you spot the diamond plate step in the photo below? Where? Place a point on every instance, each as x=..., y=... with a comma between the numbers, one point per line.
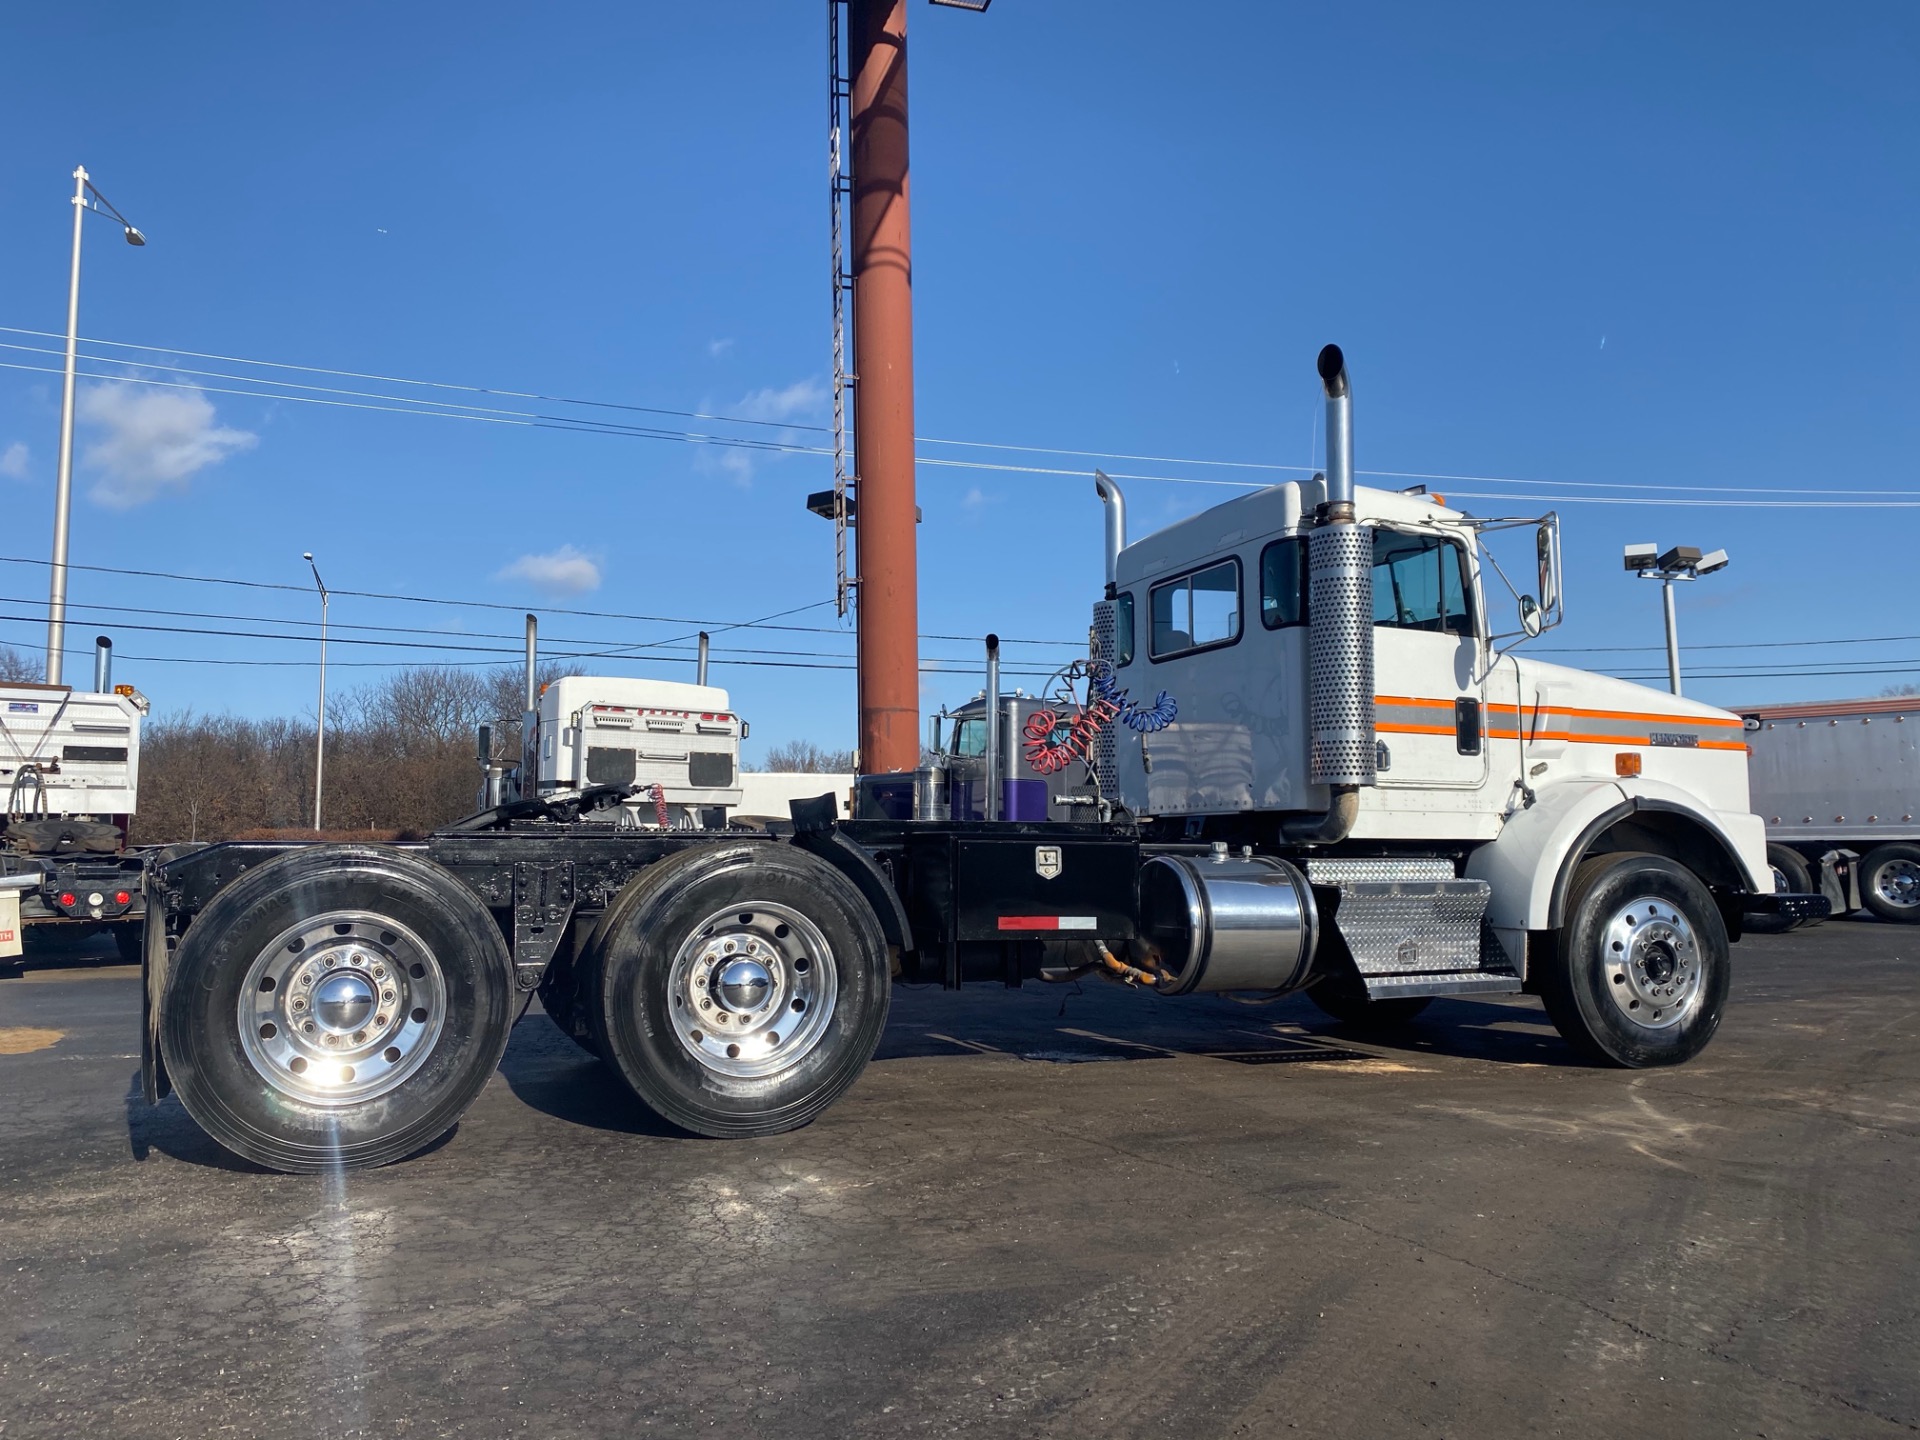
x=1479, y=982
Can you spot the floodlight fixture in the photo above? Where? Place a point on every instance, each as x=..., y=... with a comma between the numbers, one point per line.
x=1642, y=557
x=979, y=7
x=1717, y=560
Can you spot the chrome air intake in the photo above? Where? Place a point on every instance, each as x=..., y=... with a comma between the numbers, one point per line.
x=1339, y=607
x=1227, y=922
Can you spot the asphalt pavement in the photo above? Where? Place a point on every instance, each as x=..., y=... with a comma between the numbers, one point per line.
x=1054, y=1211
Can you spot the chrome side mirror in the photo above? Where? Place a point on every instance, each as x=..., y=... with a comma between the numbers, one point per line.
x=1531, y=619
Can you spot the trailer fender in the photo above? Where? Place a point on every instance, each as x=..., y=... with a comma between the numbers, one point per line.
x=865, y=872
x=1530, y=865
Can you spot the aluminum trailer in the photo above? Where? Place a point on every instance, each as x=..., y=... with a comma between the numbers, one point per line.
x=1838, y=784
x=1322, y=768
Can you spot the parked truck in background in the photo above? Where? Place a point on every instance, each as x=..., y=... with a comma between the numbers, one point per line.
x=1837, y=783
x=70, y=775
x=1318, y=764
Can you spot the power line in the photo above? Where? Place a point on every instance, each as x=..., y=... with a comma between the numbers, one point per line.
x=531, y=419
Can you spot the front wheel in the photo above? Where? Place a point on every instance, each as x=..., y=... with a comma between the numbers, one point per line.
x=739, y=990
x=1890, y=883
x=338, y=1007
x=1641, y=971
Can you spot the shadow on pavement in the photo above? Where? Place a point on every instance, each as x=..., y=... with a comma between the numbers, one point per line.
x=551, y=1074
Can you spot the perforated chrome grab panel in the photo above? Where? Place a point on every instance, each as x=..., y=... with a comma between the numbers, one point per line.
x=1339, y=870
x=1340, y=655
x=1104, y=743
x=1398, y=927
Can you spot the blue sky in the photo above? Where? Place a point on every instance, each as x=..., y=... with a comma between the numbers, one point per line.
x=1577, y=246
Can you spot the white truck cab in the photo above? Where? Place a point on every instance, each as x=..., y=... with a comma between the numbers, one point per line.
x=595, y=730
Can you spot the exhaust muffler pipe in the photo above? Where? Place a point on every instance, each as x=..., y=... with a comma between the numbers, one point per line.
x=102, y=665
x=1340, y=712
x=533, y=663
x=700, y=665
x=990, y=803
x=1116, y=508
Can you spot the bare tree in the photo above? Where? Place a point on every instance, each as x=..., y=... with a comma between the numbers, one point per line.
x=16, y=667
x=807, y=758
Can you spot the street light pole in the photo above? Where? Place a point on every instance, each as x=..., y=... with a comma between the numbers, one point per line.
x=85, y=198
x=320, y=735
x=1681, y=562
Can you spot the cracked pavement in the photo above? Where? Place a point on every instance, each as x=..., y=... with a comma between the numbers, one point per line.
x=1061, y=1211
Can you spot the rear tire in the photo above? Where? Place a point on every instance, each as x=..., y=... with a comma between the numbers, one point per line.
x=1890, y=883
x=1640, y=974
x=739, y=990
x=338, y=1007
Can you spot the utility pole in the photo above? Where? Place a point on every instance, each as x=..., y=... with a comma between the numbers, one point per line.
x=886, y=597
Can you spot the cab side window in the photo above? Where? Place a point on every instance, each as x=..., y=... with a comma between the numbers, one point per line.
x=1283, y=583
x=1196, y=611
x=1420, y=583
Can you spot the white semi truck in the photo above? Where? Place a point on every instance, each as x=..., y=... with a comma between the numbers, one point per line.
x=1317, y=764
x=70, y=777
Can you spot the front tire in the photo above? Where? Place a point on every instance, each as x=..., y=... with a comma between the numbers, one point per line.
x=1890, y=883
x=1641, y=972
x=739, y=990
x=339, y=1007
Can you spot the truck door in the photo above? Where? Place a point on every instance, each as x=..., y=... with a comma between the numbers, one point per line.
x=1429, y=687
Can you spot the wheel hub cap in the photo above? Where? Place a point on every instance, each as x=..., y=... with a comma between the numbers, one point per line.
x=743, y=985
x=752, y=990
x=1650, y=962
x=1899, y=883
x=341, y=1008
x=343, y=1002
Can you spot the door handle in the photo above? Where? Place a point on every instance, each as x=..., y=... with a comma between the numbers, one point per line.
x=1466, y=725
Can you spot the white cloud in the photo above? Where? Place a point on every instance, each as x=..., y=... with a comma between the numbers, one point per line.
x=802, y=398
x=13, y=461
x=799, y=402
x=151, y=441
x=717, y=348
x=559, y=572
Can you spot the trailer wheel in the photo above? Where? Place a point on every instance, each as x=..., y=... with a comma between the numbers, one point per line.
x=1348, y=1003
x=1791, y=876
x=1890, y=883
x=340, y=1006
x=1640, y=974
x=739, y=990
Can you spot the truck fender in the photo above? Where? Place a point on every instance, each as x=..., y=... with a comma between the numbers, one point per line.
x=865, y=872
x=1531, y=864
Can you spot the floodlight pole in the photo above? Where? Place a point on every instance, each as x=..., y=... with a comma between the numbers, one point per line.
x=320, y=734
x=1673, y=637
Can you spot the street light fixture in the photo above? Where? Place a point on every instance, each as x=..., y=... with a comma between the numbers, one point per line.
x=320, y=735
x=85, y=198
x=1682, y=562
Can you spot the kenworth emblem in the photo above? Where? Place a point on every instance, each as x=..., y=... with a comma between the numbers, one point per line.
x=1046, y=861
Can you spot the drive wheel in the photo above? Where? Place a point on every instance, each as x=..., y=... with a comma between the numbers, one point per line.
x=739, y=990
x=1890, y=883
x=338, y=1007
x=1347, y=1002
x=1641, y=971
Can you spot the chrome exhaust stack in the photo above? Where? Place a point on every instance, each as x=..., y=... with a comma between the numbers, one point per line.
x=1116, y=508
x=533, y=665
x=1340, y=628
x=102, y=665
x=990, y=802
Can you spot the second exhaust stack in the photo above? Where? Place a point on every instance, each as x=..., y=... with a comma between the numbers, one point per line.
x=1340, y=607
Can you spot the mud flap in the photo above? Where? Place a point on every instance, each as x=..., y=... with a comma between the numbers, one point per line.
x=154, y=958
x=1840, y=880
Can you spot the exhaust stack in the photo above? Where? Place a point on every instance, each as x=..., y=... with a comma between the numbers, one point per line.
x=1340, y=627
x=533, y=665
x=990, y=803
x=102, y=665
x=1116, y=508
x=700, y=666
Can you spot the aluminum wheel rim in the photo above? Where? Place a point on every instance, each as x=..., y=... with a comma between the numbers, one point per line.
x=725, y=1017
x=1651, y=962
x=342, y=1008
x=1898, y=883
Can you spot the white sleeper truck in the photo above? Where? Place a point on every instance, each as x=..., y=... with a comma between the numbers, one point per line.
x=70, y=775
x=1313, y=764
